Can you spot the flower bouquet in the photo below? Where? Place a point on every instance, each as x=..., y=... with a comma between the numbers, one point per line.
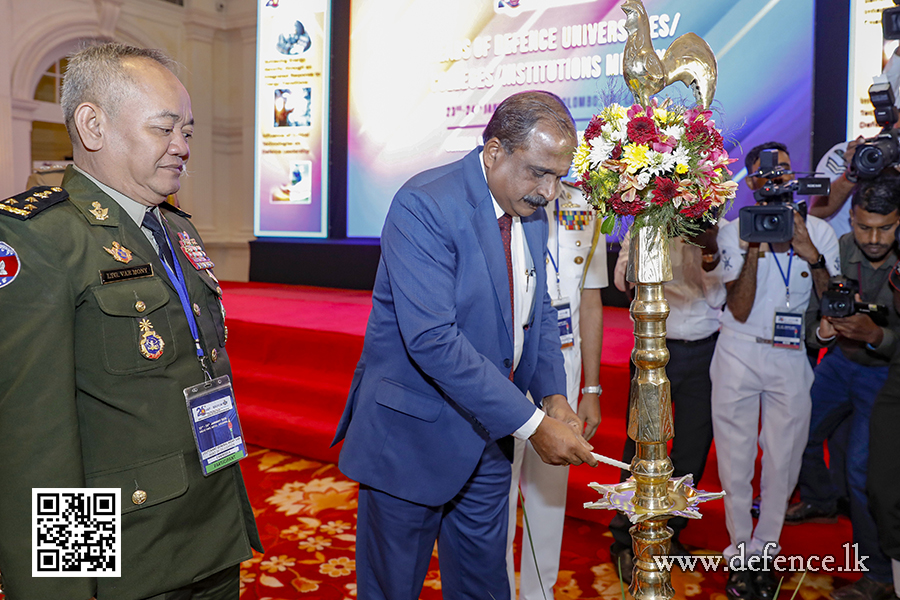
x=665, y=165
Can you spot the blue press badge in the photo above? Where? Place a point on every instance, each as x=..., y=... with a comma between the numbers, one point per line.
x=564, y=319
x=788, y=331
x=214, y=420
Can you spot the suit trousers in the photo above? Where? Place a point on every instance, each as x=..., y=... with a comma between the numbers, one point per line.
x=544, y=490
x=760, y=396
x=224, y=585
x=691, y=388
x=395, y=539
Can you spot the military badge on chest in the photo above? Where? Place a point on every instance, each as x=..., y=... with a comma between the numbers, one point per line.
x=9, y=264
x=574, y=220
x=194, y=251
x=151, y=344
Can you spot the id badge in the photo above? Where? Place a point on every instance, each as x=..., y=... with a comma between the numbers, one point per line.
x=214, y=421
x=788, y=331
x=564, y=319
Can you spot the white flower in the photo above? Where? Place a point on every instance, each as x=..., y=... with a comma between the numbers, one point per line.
x=675, y=131
x=601, y=149
x=681, y=156
x=643, y=178
x=614, y=135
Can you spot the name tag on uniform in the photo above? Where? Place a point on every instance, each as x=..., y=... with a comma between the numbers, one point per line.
x=564, y=319
x=135, y=272
x=214, y=421
x=788, y=331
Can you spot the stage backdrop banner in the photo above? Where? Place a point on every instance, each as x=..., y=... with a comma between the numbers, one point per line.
x=426, y=75
x=292, y=113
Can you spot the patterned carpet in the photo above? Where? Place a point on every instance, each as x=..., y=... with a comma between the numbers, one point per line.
x=306, y=511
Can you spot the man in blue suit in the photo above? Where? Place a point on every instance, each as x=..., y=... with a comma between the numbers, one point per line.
x=461, y=327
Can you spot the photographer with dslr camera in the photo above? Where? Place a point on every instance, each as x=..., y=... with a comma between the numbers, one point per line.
x=877, y=153
x=861, y=340
x=760, y=373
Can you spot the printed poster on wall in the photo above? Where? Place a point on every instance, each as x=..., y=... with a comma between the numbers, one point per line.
x=291, y=185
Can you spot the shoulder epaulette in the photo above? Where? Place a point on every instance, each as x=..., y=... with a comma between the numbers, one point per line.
x=165, y=205
x=27, y=204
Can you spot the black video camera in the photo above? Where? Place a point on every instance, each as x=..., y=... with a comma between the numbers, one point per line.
x=839, y=300
x=890, y=22
x=882, y=151
x=773, y=222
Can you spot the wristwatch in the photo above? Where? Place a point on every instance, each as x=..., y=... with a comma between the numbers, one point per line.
x=592, y=389
x=819, y=264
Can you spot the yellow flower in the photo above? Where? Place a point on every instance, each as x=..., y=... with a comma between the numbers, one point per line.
x=277, y=563
x=338, y=567
x=681, y=169
x=635, y=155
x=660, y=115
x=613, y=113
x=581, y=161
x=311, y=544
x=336, y=527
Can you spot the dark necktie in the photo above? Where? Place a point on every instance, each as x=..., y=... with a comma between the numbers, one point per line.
x=505, y=222
x=155, y=227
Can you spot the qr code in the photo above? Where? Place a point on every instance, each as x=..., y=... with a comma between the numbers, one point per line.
x=76, y=532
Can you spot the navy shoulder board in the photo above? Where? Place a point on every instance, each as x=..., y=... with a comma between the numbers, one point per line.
x=27, y=204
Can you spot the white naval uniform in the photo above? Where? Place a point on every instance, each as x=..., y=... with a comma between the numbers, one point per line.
x=760, y=393
x=544, y=486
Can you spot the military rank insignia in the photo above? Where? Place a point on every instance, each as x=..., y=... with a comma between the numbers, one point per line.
x=27, y=204
x=575, y=220
x=100, y=213
x=9, y=264
x=119, y=252
x=194, y=252
x=151, y=344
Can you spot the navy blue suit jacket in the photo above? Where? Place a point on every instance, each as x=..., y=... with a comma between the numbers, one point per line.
x=432, y=385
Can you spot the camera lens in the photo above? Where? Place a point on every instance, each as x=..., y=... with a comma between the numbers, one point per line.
x=869, y=160
x=768, y=222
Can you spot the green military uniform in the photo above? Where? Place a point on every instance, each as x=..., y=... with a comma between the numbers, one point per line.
x=82, y=406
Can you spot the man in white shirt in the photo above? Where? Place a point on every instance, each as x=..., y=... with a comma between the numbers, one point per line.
x=760, y=374
x=695, y=297
x=576, y=272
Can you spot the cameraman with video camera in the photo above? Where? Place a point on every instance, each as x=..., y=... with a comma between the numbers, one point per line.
x=860, y=328
x=760, y=373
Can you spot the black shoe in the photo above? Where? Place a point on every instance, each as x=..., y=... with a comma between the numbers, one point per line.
x=754, y=508
x=865, y=588
x=764, y=584
x=622, y=558
x=739, y=586
x=804, y=512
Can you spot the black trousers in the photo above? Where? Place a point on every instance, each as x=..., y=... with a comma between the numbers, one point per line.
x=224, y=585
x=691, y=388
x=884, y=448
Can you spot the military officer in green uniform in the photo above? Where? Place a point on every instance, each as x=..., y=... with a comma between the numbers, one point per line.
x=110, y=313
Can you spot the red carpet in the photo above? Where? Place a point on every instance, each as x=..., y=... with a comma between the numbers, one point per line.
x=294, y=350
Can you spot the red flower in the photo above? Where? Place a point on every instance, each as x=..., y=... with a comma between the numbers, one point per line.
x=642, y=130
x=620, y=207
x=593, y=128
x=585, y=184
x=616, y=153
x=696, y=210
x=665, y=190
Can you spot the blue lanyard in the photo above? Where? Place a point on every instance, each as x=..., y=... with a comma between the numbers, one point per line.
x=552, y=260
x=786, y=278
x=180, y=284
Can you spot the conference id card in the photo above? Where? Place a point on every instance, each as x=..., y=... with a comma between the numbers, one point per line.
x=215, y=423
x=788, y=331
x=564, y=319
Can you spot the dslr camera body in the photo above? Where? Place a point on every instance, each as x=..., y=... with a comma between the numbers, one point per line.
x=839, y=300
x=773, y=222
x=877, y=153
